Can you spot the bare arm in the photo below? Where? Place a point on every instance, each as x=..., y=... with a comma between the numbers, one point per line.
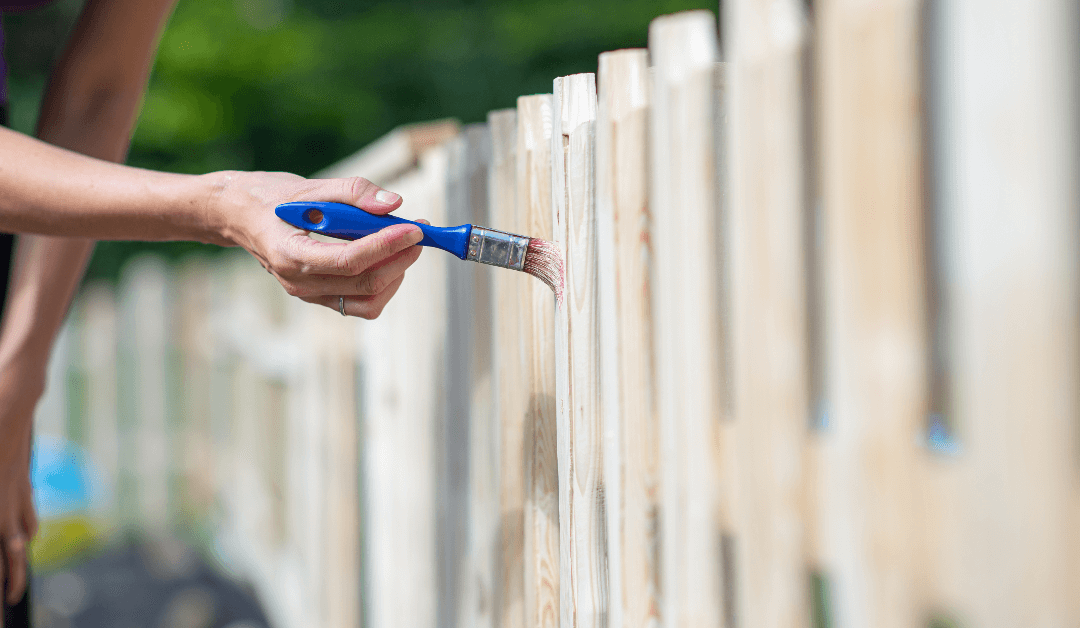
x=90, y=107
x=79, y=193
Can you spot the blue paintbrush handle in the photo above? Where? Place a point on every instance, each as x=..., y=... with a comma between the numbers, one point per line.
x=346, y=222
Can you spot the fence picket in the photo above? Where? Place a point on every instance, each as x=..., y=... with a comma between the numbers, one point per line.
x=1008, y=220
x=766, y=233
x=628, y=405
x=541, y=518
x=875, y=300
x=468, y=502
x=686, y=321
x=583, y=601
x=400, y=422
x=675, y=441
x=510, y=395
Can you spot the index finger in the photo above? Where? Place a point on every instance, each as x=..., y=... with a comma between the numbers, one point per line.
x=15, y=555
x=353, y=258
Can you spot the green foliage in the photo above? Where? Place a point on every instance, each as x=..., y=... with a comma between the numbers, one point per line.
x=296, y=86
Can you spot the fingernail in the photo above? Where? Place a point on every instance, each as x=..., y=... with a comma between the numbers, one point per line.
x=386, y=197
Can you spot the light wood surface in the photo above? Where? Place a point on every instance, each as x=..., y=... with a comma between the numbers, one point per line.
x=686, y=320
x=511, y=396
x=195, y=361
x=399, y=424
x=98, y=316
x=631, y=471
x=394, y=154
x=145, y=314
x=875, y=303
x=769, y=431
x=468, y=503
x=1008, y=213
x=540, y=564
x=483, y=426
x=583, y=601
x=679, y=442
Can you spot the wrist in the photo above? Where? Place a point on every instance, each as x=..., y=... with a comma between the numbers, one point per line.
x=22, y=383
x=23, y=363
x=227, y=206
x=200, y=213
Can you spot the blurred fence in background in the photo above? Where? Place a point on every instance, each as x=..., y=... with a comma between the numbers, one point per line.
x=815, y=364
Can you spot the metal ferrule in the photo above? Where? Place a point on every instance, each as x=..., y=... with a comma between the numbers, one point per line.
x=497, y=248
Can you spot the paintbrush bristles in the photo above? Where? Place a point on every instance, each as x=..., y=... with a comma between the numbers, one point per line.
x=544, y=261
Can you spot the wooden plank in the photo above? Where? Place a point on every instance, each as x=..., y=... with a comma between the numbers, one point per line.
x=540, y=579
x=400, y=419
x=583, y=580
x=394, y=154
x=99, y=343
x=631, y=464
x=50, y=414
x=511, y=396
x=768, y=309
x=144, y=312
x=1009, y=159
x=195, y=344
x=470, y=353
x=453, y=460
x=875, y=328
x=468, y=423
x=339, y=543
x=686, y=318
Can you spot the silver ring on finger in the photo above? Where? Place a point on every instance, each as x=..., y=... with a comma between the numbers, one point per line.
x=341, y=305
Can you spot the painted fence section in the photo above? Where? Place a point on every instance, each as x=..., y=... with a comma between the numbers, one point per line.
x=814, y=364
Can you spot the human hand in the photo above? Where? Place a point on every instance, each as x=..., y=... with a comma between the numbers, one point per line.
x=367, y=272
x=19, y=393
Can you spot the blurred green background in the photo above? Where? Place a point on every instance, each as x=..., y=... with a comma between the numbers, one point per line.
x=296, y=85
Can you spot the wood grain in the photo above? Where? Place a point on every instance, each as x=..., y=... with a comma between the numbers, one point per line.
x=144, y=311
x=875, y=303
x=99, y=337
x=540, y=581
x=400, y=418
x=583, y=600
x=511, y=395
x=686, y=317
x=769, y=433
x=1009, y=159
x=631, y=469
x=394, y=154
x=467, y=501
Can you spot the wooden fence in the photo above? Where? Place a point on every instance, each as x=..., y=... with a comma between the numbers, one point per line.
x=816, y=364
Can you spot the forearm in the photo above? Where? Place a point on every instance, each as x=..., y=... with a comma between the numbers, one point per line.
x=45, y=275
x=52, y=191
x=90, y=107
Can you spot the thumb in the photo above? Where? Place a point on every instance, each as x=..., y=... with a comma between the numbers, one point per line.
x=355, y=191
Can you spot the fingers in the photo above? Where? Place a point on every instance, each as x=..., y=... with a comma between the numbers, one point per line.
x=29, y=513
x=304, y=256
x=15, y=567
x=368, y=283
x=363, y=307
x=353, y=191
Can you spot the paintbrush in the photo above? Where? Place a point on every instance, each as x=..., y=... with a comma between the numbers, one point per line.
x=537, y=257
